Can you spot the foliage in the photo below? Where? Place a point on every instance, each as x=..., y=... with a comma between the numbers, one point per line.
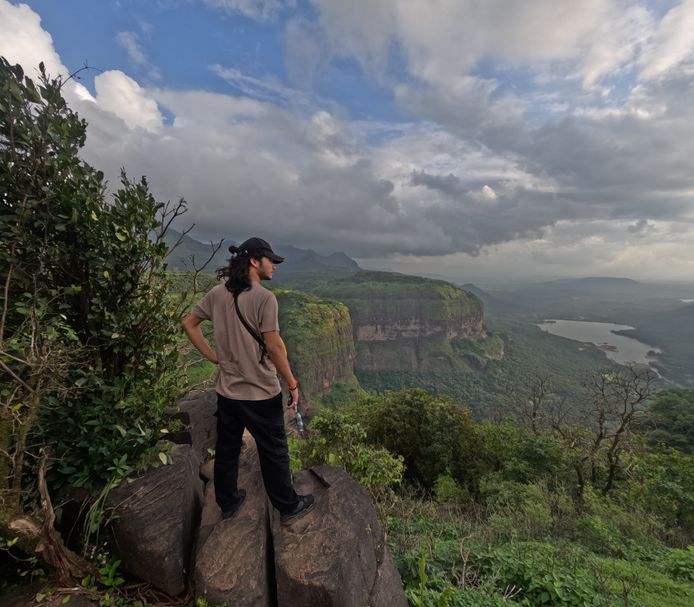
x=680, y=564
x=434, y=436
x=341, y=393
x=337, y=440
x=88, y=329
x=539, y=575
x=671, y=420
x=661, y=482
x=446, y=490
x=519, y=455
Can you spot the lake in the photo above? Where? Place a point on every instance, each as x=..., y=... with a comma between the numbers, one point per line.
x=619, y=348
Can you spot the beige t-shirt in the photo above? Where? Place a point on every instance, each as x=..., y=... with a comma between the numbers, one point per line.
x=241, y=375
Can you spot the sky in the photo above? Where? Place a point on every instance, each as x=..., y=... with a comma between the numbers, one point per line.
x=489, y=141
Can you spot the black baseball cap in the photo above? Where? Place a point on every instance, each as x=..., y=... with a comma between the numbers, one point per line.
x=257, y=247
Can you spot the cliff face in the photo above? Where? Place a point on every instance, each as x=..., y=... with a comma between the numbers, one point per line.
x=318, y=335
x=406, y=322
x=386, y=307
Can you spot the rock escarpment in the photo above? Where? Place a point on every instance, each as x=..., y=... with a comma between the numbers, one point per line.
x=405, y=322
x=318, y=335
x=386, y=306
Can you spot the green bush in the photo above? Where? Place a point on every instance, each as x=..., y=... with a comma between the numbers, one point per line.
x=434, y=435
x=608, y=526
x=446, y=490
x=539, y=577
x=532, y=511
x=523, y=456
x=337, y=440
x=680, y=564
x=90, y=333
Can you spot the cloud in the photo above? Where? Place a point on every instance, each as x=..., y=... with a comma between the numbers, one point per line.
x=640, y=227
x=268, y=89
x=559, y=155
x=130, y=42
x=120, y=94
x=673, y=42
x=24, y=41
x=256, y=9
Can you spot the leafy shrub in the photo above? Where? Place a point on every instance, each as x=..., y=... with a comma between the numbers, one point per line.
x=520, y=455
x=680, y=564
x=446, y=490
x=662, y=483
x=540, y=577
x=608, y=527
x=90, y=328
x=337, y=440
x=434, y=435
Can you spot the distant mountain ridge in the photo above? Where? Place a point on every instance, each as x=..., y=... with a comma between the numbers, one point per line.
x=296, y=259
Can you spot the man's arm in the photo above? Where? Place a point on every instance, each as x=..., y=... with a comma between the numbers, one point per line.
x=191, y=325
x=278, y=355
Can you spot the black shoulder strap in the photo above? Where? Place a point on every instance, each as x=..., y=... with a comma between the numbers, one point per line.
x=251, y=330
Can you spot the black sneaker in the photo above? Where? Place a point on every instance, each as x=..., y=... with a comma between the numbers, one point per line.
x=227, y=514
x=304, y=505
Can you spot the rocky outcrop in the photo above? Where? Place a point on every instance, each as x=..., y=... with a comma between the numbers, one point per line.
x=335, y=555
x=232, y=556
x=405, y=323
x=154, y=519
x=197, y=414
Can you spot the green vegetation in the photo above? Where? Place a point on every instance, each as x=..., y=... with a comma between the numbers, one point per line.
x=388, y=298
x=88, y=329
x=498, y=514
x=318, y=335
x=672, y=420
x=491, y=389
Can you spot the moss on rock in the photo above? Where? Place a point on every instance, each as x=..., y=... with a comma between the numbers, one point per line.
x=318, y=335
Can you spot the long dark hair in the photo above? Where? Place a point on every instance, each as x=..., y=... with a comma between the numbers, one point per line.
x=236, y=273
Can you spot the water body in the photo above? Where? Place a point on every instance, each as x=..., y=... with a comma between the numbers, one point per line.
x=687, y=300
x=621, y=349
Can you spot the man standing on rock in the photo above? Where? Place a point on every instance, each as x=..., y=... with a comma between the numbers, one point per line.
x=249, y=353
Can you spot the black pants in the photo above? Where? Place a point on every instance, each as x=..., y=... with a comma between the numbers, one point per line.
x=265, y=421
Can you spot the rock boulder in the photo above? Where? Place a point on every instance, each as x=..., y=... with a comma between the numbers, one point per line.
x=198, y=413
x=334, y=556
x=155, y=518
x=232, y=557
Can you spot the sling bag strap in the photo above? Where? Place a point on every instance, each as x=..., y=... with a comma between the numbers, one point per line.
x=251, y=330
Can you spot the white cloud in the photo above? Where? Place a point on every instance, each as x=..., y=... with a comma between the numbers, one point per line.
x=442, y=40
x=672, y=43
x=118, y=93
x=129, y=41
x=257, y=9
x=24, y=41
